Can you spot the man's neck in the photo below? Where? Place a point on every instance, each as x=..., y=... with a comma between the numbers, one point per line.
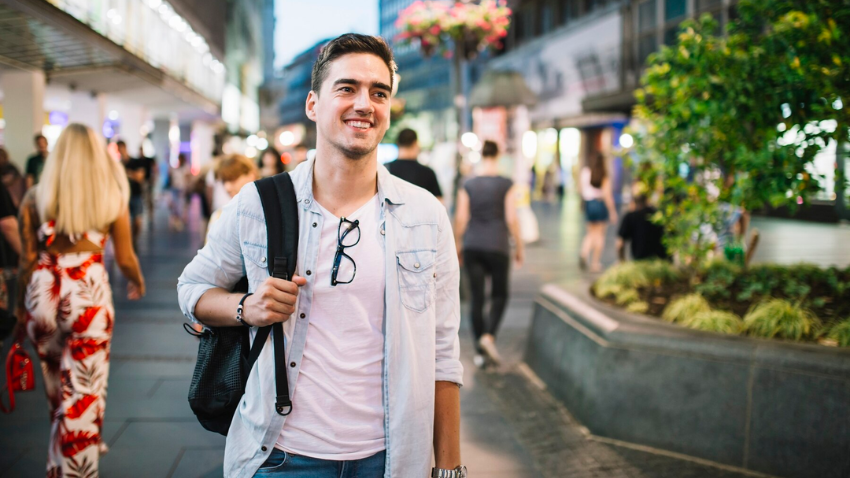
x=406, y=154
x=340, y=184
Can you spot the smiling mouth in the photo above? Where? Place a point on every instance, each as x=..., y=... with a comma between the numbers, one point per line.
x=359, y=125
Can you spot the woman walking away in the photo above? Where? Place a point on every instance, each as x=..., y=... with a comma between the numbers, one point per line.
x=595, y=186
x=65, y=222
x=486, y=219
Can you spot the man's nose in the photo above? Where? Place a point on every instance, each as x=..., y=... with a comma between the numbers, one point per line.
x=363, y=103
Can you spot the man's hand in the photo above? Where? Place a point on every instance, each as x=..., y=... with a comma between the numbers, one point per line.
x=274, y=301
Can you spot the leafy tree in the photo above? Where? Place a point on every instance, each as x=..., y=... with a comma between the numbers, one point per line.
x=747, y=111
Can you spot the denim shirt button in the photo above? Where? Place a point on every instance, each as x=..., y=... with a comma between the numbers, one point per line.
x=264, y=448
x=262, y=259
x=309, y=273
x=416, y=266
x=383, y=232
x=292, y=364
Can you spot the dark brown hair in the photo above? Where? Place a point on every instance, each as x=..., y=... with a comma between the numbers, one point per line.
x=598, y=173
x=278, y=165
x=490, y=149
x=351, y=43
x=406, y=138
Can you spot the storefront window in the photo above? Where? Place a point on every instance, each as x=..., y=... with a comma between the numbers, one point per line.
x=647, y=15
x=675, y=9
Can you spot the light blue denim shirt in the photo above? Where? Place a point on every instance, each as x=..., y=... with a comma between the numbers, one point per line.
x=421, y=320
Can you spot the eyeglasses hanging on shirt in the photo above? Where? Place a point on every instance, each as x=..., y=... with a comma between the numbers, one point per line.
x=348, y=237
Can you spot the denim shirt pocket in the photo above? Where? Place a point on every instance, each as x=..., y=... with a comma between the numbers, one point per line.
x=256, y=267
x=416, y=276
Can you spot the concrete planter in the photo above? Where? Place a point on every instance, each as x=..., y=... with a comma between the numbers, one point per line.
x=768, y=406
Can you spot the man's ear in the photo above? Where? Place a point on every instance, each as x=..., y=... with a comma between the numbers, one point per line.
x=310, y=106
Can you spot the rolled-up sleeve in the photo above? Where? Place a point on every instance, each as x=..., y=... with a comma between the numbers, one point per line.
x=448, y=366
x=218, y=264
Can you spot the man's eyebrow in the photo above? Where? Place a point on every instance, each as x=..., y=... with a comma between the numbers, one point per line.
x=350, y=81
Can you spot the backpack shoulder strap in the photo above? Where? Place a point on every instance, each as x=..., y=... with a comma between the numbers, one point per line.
x=277, y=194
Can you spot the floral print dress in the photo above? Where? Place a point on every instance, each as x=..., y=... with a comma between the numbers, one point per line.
x=69, y=318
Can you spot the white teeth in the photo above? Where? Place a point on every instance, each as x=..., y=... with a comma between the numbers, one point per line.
x=359, y=124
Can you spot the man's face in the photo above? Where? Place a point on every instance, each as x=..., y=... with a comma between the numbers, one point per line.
x=41, y=144
x=352, y=110
x=233, y=187
x=122, y=150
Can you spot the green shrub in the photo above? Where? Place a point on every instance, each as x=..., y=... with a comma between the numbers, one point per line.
x=626, y=297
x=716, y=321
x=782, y=319
x=639, y=307
x=634, y=275
x=685, y=308
x=840, y=332
x=715, y=278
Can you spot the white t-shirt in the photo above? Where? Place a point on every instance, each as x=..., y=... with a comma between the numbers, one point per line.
x=588, y=192
x=338, y=411
x=220, y=196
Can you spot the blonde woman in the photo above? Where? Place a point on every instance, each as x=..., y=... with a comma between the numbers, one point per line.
x=67, y=302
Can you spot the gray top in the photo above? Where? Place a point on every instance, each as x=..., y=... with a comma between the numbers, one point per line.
x=487, y=229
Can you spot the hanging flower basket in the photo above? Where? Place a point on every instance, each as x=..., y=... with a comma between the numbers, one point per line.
x=440, y=27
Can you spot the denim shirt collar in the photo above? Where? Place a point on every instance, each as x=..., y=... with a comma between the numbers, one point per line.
x=302, y=178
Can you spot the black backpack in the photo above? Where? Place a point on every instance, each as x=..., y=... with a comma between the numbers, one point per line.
x=225, y=354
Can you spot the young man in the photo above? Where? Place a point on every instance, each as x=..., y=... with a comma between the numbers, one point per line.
x=372, y=345
x=637, y=227
x=35, y=163
x=408, y=168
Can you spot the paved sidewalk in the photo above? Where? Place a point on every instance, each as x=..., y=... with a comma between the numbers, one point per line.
x=510, y=428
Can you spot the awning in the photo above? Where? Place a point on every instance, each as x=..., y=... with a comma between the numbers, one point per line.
x=35, y=35
x=501, y=88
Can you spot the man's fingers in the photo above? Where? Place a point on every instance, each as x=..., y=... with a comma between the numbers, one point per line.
x=299, y=281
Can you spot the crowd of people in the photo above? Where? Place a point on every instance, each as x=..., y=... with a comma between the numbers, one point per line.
x=56, y=219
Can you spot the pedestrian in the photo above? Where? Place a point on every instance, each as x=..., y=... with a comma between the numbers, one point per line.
x=407, y=166
x=234, y=171
x=135, y=176
x=35, y=163
x=10, y=250
x=485, y=223
x=299, y=154
x=65, y=222
x=11, y=178
x=599, y=210
x=638, y=228
x=373, y=345
x=179, y=178
x=151, y=170
x=270, y=163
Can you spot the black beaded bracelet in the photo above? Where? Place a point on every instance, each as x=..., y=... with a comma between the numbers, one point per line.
x=239, y=310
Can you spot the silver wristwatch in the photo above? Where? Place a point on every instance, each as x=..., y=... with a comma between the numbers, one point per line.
x=459, y=472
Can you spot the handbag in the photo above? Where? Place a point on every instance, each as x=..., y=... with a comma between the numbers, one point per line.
x=20, y=376
x=225, y=354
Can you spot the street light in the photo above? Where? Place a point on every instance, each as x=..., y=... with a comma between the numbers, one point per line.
x=469, y=139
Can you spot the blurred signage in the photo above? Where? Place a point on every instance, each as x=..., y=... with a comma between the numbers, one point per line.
x=570, y=66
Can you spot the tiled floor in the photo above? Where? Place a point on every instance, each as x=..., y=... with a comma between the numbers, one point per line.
x=510, y=428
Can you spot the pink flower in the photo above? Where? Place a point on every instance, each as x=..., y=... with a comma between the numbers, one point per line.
x=435, y=30
x=447, y=54
x=503, y=33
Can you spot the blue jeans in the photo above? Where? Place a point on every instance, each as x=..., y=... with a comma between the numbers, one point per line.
x=283, y=464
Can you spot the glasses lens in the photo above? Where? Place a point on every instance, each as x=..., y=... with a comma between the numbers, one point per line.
x=347, y=268
x=349, y=233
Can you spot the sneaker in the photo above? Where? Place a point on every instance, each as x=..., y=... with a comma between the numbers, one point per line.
x=479, y=361
x=488, y=346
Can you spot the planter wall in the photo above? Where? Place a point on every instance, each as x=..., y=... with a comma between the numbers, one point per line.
x=773, y=407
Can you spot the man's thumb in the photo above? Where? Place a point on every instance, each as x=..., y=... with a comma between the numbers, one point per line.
x=299, y=281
